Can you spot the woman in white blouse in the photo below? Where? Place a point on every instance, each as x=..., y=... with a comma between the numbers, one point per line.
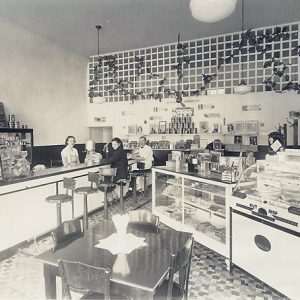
x=69, y=154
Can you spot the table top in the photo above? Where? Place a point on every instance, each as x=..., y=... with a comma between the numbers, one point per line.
x=147, y=266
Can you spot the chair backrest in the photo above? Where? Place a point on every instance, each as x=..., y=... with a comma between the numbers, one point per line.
x=69, y=183
x=85, y=279
x=93, y=178
x=55, y=162
x=181, y=262
x=107, y=174
x=65, y=232
x=143, y=217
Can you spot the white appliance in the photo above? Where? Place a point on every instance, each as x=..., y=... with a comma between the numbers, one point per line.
x=265, y=223
x=267, y=251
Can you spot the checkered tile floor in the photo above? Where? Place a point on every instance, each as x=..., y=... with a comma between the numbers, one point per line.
x=21, y=277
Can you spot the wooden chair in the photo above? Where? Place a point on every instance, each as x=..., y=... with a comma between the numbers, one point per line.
x=106, y=184
x=58, y=199
x=93, y=178
x=92, y=282
x=66, y=232
x=180, y=262
x=144, y=218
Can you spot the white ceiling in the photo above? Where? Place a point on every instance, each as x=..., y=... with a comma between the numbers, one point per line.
x=130, y=24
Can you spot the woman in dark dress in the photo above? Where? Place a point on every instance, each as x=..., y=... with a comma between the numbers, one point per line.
x=117, y=158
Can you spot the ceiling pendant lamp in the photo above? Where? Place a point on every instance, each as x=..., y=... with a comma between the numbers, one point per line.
x=212, y=10
x=242, y=88
x=98, y=99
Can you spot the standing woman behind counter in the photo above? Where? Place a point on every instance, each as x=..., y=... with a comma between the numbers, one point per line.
x=69, y=154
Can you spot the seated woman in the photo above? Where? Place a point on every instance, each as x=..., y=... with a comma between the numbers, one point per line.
x=117, y=158
x=69, y=154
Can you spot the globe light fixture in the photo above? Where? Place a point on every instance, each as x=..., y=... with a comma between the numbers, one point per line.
x=212, y=10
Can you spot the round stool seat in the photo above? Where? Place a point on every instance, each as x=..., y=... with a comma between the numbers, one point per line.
x=109, y=187
x=59, y=198
x=137, y=173
x=85, y=190
x=103, y=185
x=122, y=181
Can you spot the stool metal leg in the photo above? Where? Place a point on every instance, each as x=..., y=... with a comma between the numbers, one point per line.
x=145, y=186
x=85, y=212
x=134, y=190
x=58, y=213
x=105, y=204
x=72, y=203
x=56, y=187
x=121, y=196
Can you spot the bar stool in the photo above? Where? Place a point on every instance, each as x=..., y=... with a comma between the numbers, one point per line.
x=140, y=172
x=106, y=184
x=58, y=199
x=85, y=191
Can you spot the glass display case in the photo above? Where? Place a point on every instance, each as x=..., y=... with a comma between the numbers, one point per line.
x=193, y=203
x=15, y=152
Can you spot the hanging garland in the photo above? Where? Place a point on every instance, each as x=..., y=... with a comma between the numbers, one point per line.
x=249, y=42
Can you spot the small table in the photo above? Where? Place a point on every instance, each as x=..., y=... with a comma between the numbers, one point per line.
x=148, y=265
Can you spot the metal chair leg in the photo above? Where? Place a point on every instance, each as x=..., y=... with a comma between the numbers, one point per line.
x=105, y=204
x=145, y=187
x=58, y=213
x=121, y=196
x=134, y=190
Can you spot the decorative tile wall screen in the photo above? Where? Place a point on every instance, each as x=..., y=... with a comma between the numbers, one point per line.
x=142, y=74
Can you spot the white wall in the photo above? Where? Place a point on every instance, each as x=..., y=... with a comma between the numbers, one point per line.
x=274, y=110
x=43, y=84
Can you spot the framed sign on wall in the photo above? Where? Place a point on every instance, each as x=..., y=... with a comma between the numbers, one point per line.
x=162, y=127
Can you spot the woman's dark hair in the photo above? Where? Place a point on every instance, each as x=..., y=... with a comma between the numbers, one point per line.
x=69, y=137
x=119, y=141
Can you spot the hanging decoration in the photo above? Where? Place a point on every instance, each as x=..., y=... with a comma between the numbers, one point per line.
x=140, y=65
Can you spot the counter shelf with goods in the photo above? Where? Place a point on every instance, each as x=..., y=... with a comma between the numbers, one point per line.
x=15, y=152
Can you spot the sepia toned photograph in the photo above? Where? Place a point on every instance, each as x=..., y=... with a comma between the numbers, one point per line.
x=149, y=149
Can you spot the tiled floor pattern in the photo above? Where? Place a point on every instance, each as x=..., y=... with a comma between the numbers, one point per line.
x=21, y=277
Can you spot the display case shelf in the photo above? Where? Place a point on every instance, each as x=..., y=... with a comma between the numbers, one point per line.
x=205, y=208
x=171, y=196
x=173, y=183
x=204, y=191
